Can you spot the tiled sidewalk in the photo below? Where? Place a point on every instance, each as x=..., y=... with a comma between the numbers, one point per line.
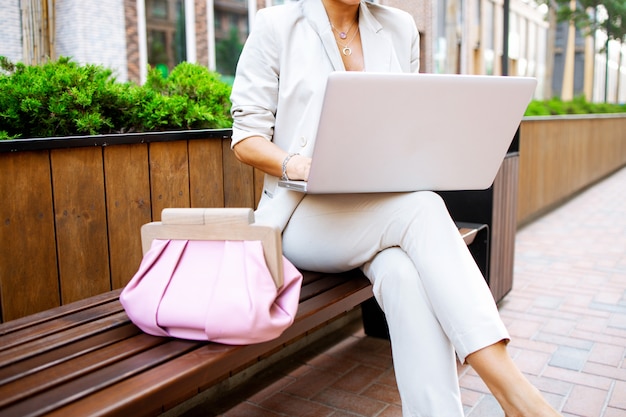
x=567, y=312
x=566, y=315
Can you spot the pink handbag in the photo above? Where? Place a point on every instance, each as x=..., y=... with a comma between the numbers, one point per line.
x=195, y=283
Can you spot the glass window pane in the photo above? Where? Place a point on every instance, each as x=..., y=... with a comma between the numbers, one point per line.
x=158, y=9
x=165, y=26
x=231, y=31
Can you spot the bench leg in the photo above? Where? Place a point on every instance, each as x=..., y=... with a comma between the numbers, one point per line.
x=374, y=321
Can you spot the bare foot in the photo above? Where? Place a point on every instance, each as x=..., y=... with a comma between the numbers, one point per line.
x=515, y=394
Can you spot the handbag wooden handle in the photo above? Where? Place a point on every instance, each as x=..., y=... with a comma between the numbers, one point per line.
x=217, y=224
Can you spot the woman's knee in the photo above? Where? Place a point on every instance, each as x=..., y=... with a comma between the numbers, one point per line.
x=424, y=210
x=393, y=273
x=429, y=200
x=391, y=262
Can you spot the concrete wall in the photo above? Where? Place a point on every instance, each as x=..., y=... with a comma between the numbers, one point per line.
x=11, y=30
x=93, y=32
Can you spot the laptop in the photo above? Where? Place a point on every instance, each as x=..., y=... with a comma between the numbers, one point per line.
x=389, y=132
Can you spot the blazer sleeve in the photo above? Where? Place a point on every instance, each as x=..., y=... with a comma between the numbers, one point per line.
x=255, y=90
x=415, y=49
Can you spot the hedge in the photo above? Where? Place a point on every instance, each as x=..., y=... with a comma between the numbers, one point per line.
x=63, y=98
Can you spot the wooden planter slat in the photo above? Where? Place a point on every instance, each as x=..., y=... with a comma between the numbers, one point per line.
x=29, y=280
x=127, y=181
x=81, y=222
x=238, y=180
x=169, y=176
x=206, y=173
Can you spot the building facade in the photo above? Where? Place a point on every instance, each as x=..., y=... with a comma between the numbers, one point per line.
x=130, y=36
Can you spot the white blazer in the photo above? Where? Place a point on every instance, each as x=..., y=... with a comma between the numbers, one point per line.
x=281, y=77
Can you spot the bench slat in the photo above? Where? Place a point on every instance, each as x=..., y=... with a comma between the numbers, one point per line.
x=67, y=321
x=323, y=283
x=61, y=338
x=331, y=303
x=55, y=313
x=146, y=393
x=97, y=380
x=469, y=231
x=59, y=355
x=49, y=377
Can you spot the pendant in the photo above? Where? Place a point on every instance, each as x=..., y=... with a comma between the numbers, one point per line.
x=346, y=51
x=343, y=35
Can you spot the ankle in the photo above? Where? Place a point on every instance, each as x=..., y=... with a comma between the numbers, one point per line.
x=526, y=401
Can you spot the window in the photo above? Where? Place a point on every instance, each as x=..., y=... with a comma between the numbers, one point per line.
x=489, y=34
x=441, y=42
x=158, y=9
x=165, y=34
x=231, y=28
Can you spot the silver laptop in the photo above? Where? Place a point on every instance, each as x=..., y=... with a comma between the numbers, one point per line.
x=383, y=132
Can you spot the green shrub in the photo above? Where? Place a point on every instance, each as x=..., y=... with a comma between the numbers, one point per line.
x=191, y=97
x=578, y=105
x=63, y=98
x=537, y=108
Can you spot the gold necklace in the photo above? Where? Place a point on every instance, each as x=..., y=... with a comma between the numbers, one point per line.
x=345, y=49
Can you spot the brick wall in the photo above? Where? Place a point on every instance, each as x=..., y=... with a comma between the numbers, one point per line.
x=202, y=34
x=422, y=12
x=132, y=40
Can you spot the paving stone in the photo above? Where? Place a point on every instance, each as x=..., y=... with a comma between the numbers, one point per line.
x=569, y=358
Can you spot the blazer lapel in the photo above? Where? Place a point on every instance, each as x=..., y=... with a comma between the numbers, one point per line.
x=318, y=19
x=377, y=48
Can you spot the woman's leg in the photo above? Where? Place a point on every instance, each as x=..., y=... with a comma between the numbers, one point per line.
x=339, y=232
x=423, y=356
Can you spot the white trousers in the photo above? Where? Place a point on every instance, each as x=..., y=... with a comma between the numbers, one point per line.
x=435, y=298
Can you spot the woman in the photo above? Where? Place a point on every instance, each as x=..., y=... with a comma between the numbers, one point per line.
x=434, y=297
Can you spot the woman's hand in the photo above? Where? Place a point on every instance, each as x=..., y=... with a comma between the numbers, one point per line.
x=298, y=167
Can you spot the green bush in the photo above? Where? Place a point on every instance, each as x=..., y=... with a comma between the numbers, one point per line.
x=63, y=98
x=579, y=105
x=191, y=97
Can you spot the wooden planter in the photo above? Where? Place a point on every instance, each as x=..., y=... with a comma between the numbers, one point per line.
x=72, y=207
x=562, y=155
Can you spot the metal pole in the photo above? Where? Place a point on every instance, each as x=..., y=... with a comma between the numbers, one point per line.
x=606, y=64
x=514, y=147
x=505, y=37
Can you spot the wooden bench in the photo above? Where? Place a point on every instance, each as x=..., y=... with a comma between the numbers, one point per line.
x=87, y=358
